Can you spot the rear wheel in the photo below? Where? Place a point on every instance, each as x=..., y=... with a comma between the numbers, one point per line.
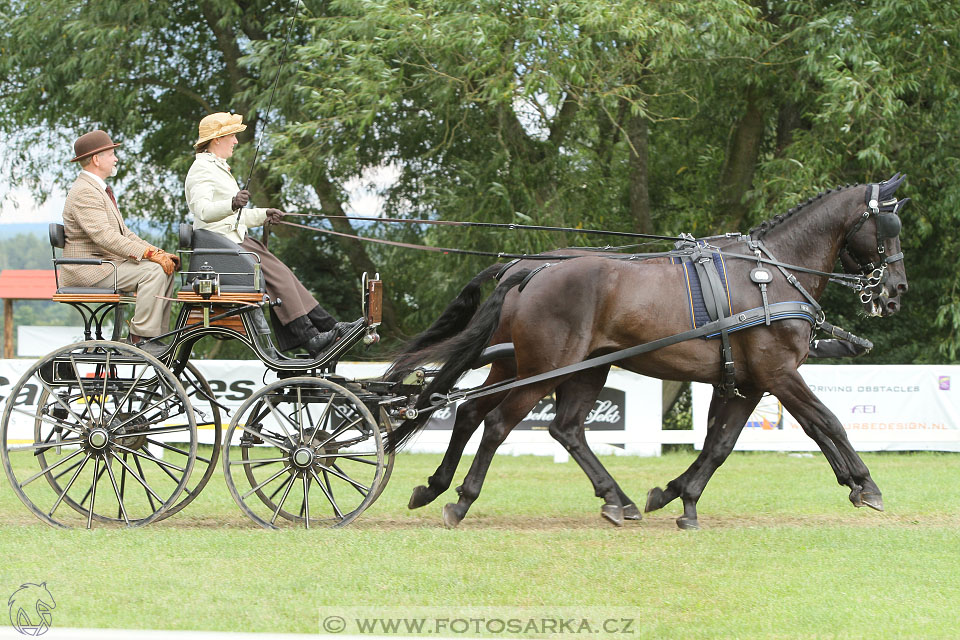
x=85, y=418
x=304, y=452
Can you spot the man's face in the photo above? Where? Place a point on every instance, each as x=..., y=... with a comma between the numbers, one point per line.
x=106, y=162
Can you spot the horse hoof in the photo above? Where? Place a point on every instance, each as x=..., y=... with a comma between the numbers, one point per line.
x=654, y=500
x=688, y=524
x=613, y=513
x=420, y=497
x=450, y=517
x=630, y=512
x=872, y=500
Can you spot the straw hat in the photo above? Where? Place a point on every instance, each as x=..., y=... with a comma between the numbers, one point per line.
x=91, y=143
x=217, y=125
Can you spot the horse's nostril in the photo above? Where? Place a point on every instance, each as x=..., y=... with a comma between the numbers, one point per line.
x=902, y=287
x=892, y=305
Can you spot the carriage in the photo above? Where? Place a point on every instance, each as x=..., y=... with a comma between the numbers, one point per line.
x=103, y=432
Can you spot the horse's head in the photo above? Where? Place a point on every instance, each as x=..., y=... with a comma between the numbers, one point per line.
x=872, y=249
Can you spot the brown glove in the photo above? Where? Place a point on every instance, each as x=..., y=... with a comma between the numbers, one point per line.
x=240, y=200
x=164, y=259
x=274, y=216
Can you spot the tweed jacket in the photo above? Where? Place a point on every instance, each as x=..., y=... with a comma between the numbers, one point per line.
x=94, y=229
x=209, y=189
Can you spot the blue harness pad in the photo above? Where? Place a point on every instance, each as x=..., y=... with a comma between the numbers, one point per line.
x=697, y=306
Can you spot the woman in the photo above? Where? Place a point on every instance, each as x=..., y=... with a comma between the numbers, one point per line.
x=214, y=199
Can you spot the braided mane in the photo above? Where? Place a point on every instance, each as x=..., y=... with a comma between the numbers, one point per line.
x=761, y=229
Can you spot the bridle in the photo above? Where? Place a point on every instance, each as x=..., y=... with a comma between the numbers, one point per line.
x=873, y=272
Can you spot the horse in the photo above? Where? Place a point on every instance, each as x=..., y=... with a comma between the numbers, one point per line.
x=610, y=304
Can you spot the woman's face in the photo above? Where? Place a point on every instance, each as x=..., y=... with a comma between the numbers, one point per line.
x=223, y=146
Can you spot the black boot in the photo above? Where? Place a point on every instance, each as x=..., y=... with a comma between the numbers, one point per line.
x=343, y=328
x=319, y=343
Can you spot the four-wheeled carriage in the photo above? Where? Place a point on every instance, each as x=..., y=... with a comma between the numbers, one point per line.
x=104, y=432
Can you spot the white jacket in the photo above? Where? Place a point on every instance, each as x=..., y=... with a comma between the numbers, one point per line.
x=209, y=189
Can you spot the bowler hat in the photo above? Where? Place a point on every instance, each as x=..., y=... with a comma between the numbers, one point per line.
x=91, y=143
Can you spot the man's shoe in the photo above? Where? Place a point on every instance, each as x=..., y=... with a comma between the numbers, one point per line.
x=343, y=328
x=318, y=343
x=154, y=348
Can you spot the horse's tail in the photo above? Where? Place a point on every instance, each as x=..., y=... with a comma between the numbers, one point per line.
x=457, y=355
x=452, y=321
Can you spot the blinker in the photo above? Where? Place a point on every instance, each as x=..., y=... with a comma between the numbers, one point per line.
x=888, y=225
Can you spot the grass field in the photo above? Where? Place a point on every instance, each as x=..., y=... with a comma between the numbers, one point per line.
x=782, y=553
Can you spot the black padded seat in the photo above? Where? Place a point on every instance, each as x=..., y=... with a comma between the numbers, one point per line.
x=90, y=291
x=237, y=270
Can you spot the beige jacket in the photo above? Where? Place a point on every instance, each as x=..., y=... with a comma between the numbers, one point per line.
x=94, y=228
x=209, y=189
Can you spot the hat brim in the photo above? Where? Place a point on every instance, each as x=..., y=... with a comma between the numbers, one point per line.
x=96, y=151
x=235, y=128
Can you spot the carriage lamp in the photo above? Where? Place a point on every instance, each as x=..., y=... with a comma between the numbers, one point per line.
x=207, y=282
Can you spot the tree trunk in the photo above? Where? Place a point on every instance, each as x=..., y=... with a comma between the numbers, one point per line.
x=638, y=135
x=356, y=253
x=741, y=162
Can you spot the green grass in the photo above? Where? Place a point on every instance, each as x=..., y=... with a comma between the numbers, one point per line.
x=782, y=553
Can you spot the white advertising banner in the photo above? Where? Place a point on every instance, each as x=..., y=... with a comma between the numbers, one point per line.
x=626, y=418
x=882, y=408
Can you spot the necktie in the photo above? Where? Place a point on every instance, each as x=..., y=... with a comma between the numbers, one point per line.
x=113, y=199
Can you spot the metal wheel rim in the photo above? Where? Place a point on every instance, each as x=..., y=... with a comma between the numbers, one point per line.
x=79, y=425
x=251, y=492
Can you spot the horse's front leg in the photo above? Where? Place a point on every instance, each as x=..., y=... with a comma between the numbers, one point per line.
x=724, y=424
x=823, y=426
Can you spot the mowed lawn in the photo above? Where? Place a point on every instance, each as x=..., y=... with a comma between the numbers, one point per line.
x=782, y=553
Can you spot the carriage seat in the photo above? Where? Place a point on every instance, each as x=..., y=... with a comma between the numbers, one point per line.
x=235, y=265
x=78, y=294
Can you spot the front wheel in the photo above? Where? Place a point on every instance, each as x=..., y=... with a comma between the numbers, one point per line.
x=304, y=452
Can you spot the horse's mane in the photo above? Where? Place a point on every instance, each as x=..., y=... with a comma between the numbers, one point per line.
x=761, y=229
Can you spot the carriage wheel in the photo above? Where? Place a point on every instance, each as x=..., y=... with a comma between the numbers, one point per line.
x=304, y=452
x=84, y=418
x=207, y=415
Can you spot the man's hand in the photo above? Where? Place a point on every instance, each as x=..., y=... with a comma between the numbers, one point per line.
x=274, y=216
x=240, y=200
x=165, y=260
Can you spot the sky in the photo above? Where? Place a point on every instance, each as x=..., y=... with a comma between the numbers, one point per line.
x=20, y=207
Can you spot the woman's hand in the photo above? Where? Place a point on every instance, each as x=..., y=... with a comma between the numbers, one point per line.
x=240, y=200
x=274, y=216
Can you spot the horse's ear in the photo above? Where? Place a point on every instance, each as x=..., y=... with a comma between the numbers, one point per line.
x=900, y=204
x=889, y=187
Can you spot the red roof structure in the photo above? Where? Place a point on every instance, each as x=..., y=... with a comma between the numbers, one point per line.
x=27, y=284
x=22, y=284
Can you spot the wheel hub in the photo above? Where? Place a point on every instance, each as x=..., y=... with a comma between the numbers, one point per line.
x=302, y=457
x=98, y=438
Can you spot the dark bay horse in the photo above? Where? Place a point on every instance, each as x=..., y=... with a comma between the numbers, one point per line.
x=593, y=305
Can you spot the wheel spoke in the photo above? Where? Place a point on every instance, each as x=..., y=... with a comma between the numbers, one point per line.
x=336, y=471
x=328, y=494
x=68, y=469
x=258, y=461
x=59, y=400
x=353, y=457
x=264, y=483
x=300, y=419
x=51, y=467
x=96, y=479
x=142, y=481
x=150, y=457
x=116, y=492
x=276, y=511
x=127, y=395
x=171, y=429
x=69, y=484
x=339, y=431
x=323, y=418
x=141, y=412
x=45, y=445
x=306, y=500
x=172, y=448
x=279, y=417
x=93, y=490
x=172, y=477
x=103, y=393
x=75, y=428
x=260, y=434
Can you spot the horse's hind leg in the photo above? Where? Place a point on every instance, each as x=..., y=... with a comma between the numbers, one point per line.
x=469, y=416
x=497, y=424
x=818, y=421
x=727, y=417
x=575, y=398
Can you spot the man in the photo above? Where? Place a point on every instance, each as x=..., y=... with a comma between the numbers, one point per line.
x=95, y=229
